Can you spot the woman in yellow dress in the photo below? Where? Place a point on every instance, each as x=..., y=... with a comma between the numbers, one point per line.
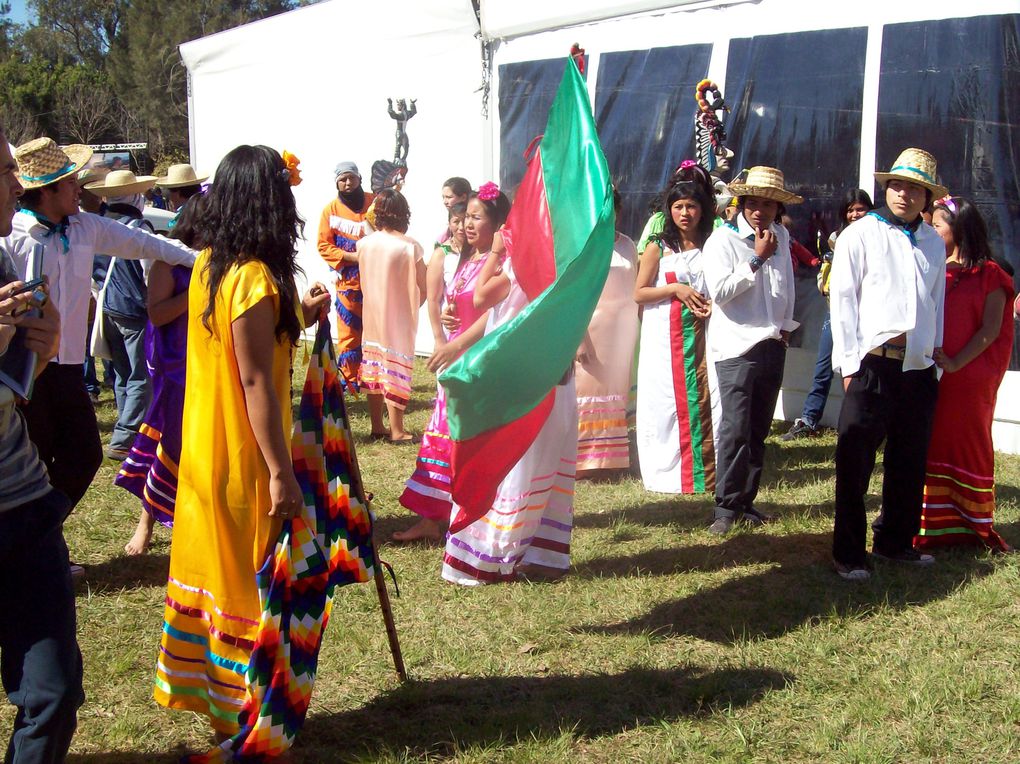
x=236, y=481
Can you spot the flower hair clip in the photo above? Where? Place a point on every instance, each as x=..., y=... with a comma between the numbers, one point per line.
x=488, y=191
x=291, y=171
x=687, y=163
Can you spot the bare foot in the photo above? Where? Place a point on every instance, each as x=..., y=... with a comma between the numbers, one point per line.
x=139, y=543
x=423, y=530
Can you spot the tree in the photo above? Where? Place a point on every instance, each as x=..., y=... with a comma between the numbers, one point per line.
x=146, y=68
x=86, y=107
x=83, y=29
x=20, y=125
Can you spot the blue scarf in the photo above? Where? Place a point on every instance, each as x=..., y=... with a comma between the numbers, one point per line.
x=52, y=229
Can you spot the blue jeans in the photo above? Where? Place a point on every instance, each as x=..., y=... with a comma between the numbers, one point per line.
x=39, y=658
x=814, y=404
x=132, y=390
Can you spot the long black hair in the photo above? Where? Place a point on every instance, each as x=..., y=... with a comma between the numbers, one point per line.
x=970, y=232
x=188, y=228
x=496, y=209
x=691, y=181
x=852, y=197
x=250, y=214
x=459, y=186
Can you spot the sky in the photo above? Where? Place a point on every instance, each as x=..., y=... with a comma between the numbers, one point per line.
x=19, y=11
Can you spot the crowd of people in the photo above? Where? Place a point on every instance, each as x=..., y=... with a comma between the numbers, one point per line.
x=201, y=329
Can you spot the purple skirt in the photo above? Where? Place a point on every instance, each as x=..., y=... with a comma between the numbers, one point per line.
x=150, y=469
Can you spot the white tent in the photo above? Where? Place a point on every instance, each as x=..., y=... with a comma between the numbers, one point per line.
x=315, y=81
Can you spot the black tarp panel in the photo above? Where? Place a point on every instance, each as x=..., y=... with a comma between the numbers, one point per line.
x=526, y=91
x=644, y=109
x=952, y=87
x=796, y=101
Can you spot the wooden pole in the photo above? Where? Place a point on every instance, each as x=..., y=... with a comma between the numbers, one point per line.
x=387, y=612
x=378, y=572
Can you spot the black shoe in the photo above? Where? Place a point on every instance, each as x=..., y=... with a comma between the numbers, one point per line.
x=721, y=526
x=905, y=557
x=756, y=519
x=799, y=429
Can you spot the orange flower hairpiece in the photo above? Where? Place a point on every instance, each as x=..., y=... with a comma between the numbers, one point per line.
x=292, y=163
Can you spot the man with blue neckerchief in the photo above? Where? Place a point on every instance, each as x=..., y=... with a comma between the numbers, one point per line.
x=886, y=291
x=50, y=237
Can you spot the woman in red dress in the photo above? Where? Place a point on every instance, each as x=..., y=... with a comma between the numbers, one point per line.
x=959, y=490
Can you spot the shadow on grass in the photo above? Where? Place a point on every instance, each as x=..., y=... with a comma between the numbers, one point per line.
x=684, y=513
x=444, y=716
x=800, y=589
x=125, y=572
x=127, y=758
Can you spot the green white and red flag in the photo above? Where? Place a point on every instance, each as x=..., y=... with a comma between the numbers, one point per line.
x=560, y=243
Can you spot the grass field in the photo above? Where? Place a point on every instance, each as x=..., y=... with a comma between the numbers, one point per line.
x=664, y=644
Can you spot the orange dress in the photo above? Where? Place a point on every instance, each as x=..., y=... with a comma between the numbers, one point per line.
x=340, y=227
x=222, y=531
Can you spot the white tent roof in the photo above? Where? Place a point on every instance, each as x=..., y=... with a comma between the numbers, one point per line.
x=503, y=19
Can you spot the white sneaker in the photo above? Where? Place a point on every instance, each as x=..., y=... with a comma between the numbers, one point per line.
x=851, y=572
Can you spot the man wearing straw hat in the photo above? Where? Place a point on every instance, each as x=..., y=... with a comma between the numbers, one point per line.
x=181, y=183
x=887, y=287
x=42, y=668
x=52, y=238
x=749, y=274
x=124, y=309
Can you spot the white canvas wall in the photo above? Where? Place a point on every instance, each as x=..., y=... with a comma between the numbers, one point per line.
x=315, y=81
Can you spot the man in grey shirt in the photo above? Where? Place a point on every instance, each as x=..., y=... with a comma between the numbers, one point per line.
x=39, y=656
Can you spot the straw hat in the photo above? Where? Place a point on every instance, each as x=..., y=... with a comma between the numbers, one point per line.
x=918, y=167
x=121, y=183
x=767, y=183
x=91, y=174
x=42, y=162
x=180, y=175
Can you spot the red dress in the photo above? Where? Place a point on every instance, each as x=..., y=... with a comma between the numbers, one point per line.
x=959, y=489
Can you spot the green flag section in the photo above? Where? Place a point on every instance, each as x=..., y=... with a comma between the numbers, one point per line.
x=560, y=243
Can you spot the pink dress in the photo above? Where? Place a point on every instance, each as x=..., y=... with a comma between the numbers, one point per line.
x=427, y=491
x=389, y=287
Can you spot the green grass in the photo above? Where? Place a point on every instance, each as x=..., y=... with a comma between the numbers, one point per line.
x=663, y=644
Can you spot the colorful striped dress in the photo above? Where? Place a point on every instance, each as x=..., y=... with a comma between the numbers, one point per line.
x=151, y=468
x=223, y=534
x=604, y=376
x=674, y=402
x=959, y=487
x=427, y=491
x=340, y=228
x=388, y=262
x=532, y=516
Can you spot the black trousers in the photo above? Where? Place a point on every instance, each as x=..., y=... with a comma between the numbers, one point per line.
x=62, y=424
x=748, y=388
x=40, y=664
x=883, y=402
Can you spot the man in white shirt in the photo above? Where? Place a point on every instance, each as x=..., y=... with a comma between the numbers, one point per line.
x=42, y=668
x=887, y=288
x=51, y=238
x=749, y=275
